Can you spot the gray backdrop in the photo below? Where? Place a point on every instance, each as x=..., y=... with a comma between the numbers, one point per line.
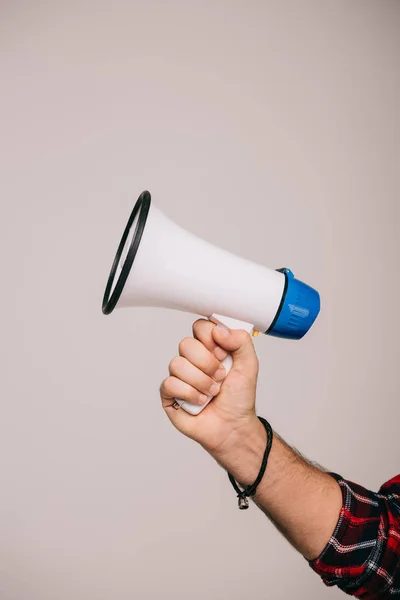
x=268, y=128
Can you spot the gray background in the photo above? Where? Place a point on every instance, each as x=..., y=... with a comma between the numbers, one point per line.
x=268, y=128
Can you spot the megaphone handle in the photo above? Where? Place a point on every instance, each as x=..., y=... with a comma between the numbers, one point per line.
x=195, y=409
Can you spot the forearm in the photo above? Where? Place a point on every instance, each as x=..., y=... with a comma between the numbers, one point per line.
x=303, y=502
x=350, y=535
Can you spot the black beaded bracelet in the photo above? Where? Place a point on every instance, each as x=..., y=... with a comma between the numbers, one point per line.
x=250, y=490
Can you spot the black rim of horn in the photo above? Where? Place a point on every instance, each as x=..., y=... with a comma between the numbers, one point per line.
x=142, y=205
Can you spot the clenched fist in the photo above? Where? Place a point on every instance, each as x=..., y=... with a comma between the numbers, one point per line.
x=197, y=373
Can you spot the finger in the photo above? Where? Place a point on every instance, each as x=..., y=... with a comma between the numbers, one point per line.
x=181, y=419
x=201, y=357
x=184, y=370
x=239, y=343
x=172, y=388
x=202, y=330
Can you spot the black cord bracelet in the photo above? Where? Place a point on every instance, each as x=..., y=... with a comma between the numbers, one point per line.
x=250, y=490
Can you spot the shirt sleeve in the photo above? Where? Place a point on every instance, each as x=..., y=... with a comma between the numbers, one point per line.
x=362, y=557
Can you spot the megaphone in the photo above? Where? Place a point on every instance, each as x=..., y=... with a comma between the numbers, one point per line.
x=158, y=263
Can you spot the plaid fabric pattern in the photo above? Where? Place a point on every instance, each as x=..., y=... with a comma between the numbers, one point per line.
x=363, y=555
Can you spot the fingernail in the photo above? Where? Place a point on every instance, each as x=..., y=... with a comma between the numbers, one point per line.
x=214, y=389
x=220, y=353
x=223, y=330
x=203, y=398
x=220, y=374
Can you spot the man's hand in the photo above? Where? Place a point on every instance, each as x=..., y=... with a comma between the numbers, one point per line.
x=197, y=373
x=303, y=502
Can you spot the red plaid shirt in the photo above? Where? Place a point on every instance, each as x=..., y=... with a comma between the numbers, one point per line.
x=363, y=555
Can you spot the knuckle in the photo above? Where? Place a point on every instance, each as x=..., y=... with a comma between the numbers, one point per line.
x=197, y=325
x=163, y=385
x=244, y=336
x=200, y=326
x=175, y=363
x=184, y=344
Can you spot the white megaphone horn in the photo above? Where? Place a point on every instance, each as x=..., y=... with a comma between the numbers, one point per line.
x=160, y=264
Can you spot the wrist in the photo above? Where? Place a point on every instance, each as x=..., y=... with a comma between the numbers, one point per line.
x=242, y=453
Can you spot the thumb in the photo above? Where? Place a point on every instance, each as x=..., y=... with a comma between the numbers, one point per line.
x=240, y=344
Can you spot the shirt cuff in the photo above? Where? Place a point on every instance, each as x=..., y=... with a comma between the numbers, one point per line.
x=353, y=550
